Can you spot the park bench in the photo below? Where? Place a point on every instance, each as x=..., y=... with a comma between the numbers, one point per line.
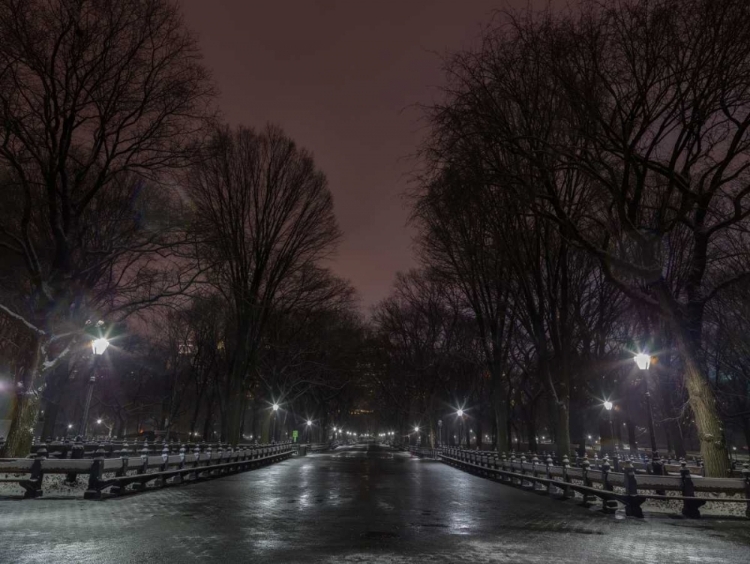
x=169, y=469
x=566, y=482
x=114, y=449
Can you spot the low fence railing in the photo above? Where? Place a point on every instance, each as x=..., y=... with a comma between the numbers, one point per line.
x=137, y=471
x=116, y=449
x=614, y=487
x=642, y=463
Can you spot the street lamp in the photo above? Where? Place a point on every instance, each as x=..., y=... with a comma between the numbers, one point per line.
x=275, y=408
x=460, y=414
x=644, y=361
x=98, y=346
x=608, y=406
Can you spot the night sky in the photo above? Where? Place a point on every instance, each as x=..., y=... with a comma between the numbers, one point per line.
x=342, y=77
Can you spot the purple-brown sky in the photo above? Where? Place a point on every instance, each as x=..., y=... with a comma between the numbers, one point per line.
x=341, y=77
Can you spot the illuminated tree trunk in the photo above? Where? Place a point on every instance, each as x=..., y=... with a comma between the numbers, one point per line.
x=25, y=408
x=703, y=403
x=700, y=395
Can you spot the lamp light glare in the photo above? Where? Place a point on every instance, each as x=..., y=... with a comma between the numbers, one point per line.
x=642, y=360
x=98, y=346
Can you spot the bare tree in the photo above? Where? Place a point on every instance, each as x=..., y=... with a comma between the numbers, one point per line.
x=661, y=121
x=96, y=97
x=459, y=243
x=263, y=214
x=627, y=122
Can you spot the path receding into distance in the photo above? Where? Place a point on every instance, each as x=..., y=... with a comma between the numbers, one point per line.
x=358, y=504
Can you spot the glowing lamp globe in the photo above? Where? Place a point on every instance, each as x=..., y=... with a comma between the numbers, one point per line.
x=642, y=360
x=99, y=345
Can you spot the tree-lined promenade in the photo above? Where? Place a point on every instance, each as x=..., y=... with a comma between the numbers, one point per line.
x=581, y=204
x=584, y=198
x=126, y=200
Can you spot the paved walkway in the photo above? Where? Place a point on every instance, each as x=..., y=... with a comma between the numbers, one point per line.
x=353, y=505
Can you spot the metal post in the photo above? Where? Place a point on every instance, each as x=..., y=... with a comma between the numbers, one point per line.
x=273, y=427
x=650, y=415
x=85, y=421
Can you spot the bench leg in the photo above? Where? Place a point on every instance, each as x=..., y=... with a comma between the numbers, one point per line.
x=690, y=508
x=633, y=506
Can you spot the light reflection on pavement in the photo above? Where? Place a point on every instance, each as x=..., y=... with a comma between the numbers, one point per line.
x=353, y=505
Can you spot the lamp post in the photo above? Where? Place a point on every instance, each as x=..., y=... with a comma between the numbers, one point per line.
x=460, y=414
x=307, y=429
x=416, y=430
x=98, y=346
x=608, y=406
x=275, y=408
x=644, y=362
x=440, y=432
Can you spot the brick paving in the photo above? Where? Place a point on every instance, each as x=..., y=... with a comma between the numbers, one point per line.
x=354, y=505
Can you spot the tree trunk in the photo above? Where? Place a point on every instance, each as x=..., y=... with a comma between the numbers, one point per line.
x=531, y=428
x=209, y=416
x=675, y=433
x=51, y=410
x=121, y=427
x=243, y=414
x=563, y=427
x=198, y=402
x=618, y=431
x=703, y=404
x=501, y=418
x=25, y=407
x=232, y=418
x=700, y=395
x=23, y=417
x=53, y=395
x=479, y=426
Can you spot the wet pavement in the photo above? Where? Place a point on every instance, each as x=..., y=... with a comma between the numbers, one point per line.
x=358, y=504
